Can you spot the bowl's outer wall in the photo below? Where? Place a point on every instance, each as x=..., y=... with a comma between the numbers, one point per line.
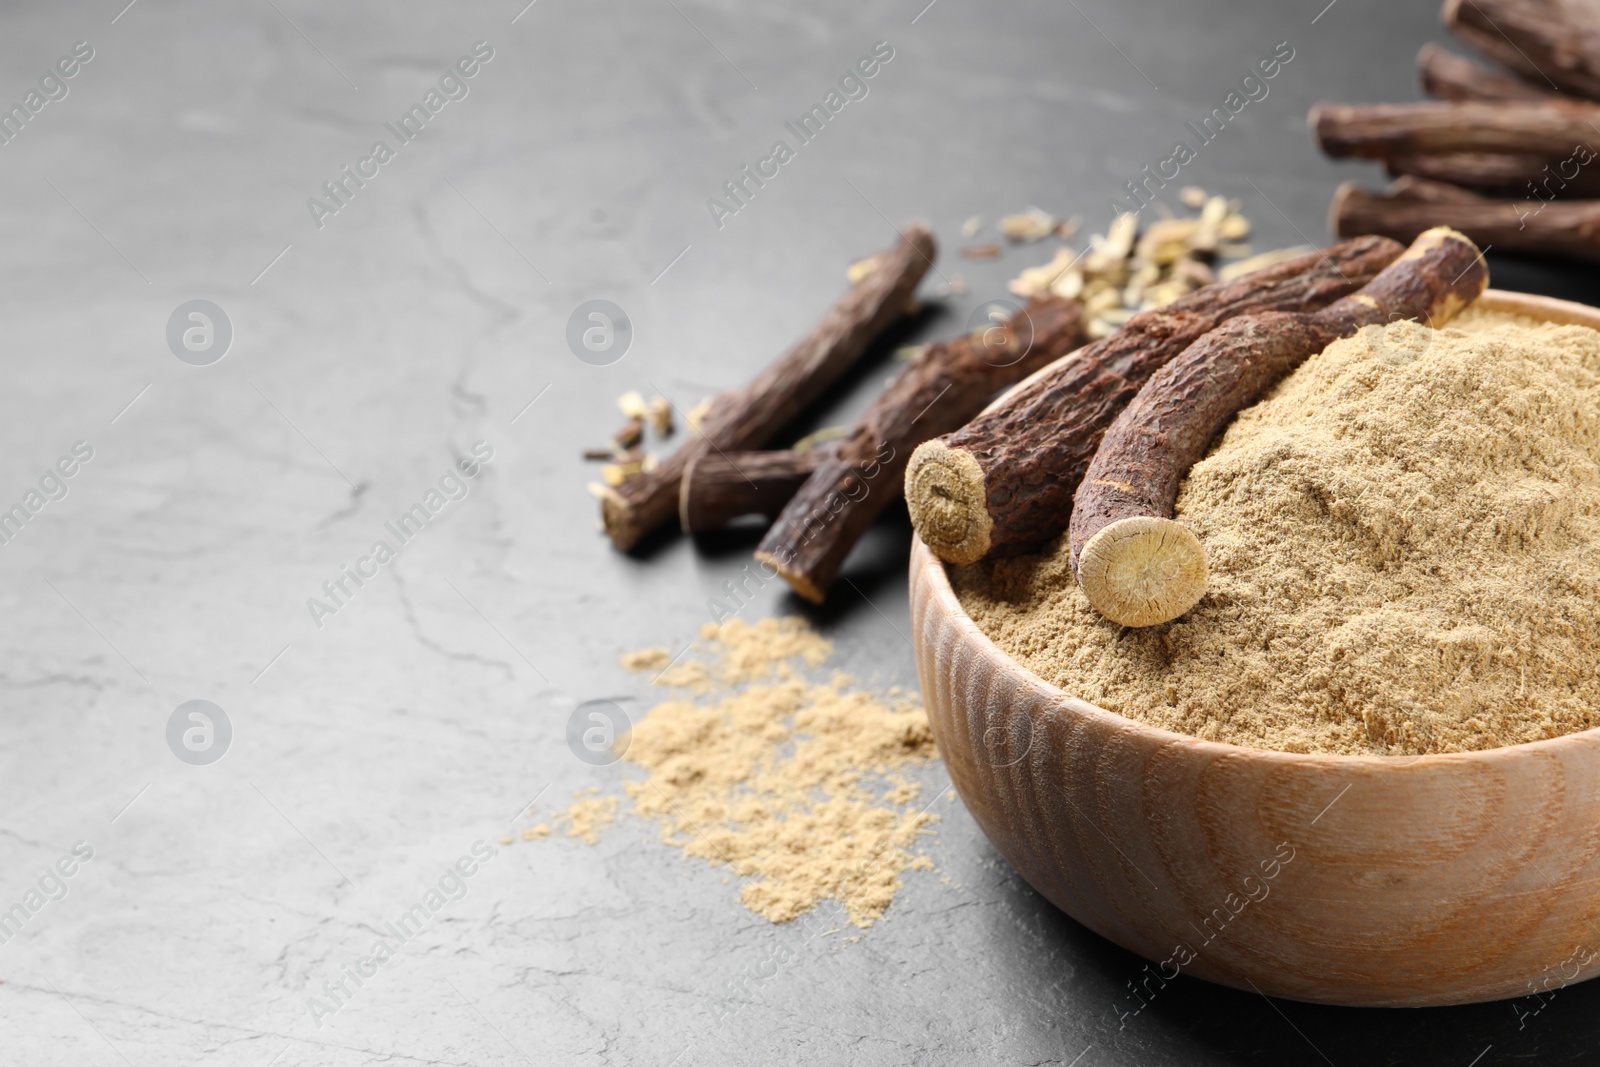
x=1345, y=880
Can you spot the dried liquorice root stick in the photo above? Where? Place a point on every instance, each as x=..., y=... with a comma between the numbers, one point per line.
x=1139, y=566
x=1548, y=42
x=948, y=384
x=1447, y=76
x=1533, y=177
x=1003, y=483
x=749, y=417
x=1565, y=228
x=722, y=486
x=1377, y=131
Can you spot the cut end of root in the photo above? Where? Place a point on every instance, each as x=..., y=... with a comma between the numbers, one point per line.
x=1143, y=570
x=618, y=517
x=946, y=496
x=686, y=517
x=1432, y=238
x=798, y=581
x=1453, y=299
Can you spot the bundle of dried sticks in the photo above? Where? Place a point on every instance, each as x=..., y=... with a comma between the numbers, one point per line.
x=977, y=481
x=1505, y=156
x=824, y=498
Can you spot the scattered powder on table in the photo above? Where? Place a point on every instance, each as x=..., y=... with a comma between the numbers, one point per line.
x=646, y=659
x=797, y=786
x=1404, y=549
x=588, y=816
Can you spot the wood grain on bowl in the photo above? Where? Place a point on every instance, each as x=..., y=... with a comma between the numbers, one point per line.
x=1355, y=880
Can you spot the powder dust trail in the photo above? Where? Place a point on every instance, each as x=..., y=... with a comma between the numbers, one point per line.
x=795, y=785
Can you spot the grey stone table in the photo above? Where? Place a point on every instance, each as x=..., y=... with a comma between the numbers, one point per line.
x=373, y=332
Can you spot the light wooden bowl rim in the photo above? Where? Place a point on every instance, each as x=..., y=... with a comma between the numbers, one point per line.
x=932, y=570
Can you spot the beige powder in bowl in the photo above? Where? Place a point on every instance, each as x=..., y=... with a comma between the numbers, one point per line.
x=1404, y=547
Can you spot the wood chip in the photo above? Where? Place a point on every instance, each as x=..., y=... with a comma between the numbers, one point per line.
x=661, y=416
x=1031, y=225
x=1120, y=237
x=861, y=268
x=1167, y=241
x=971, y=226
x=1108, y=253
x=1069, y=284
x=1103, y=300
x=617, y=473
x=1125, y=270
x=632, y=432
x=1208, y=227
x=632, y=405
x=1193, y=272
x=1036, y=280
x=697, y=414
x=1164, y=293
x=989, y=251
x=1257, y=262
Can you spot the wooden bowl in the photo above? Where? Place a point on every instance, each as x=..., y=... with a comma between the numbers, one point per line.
x=1355, y=880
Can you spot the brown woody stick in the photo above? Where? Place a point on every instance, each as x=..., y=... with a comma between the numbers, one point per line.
x=748, y=418
x=1447, y=76
x=1003, y=483
x=1554, y=43
x=1563, y=228
x=1434, y=192
x=719, y=487
x=1139, y=566
x=945, y=387
x=1527, y=175
x=1378, y=131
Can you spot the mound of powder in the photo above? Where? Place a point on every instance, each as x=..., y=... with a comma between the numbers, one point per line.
x=1404, y=550
x=797, y=786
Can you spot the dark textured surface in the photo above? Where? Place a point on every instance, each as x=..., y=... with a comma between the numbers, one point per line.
x=424, y=316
